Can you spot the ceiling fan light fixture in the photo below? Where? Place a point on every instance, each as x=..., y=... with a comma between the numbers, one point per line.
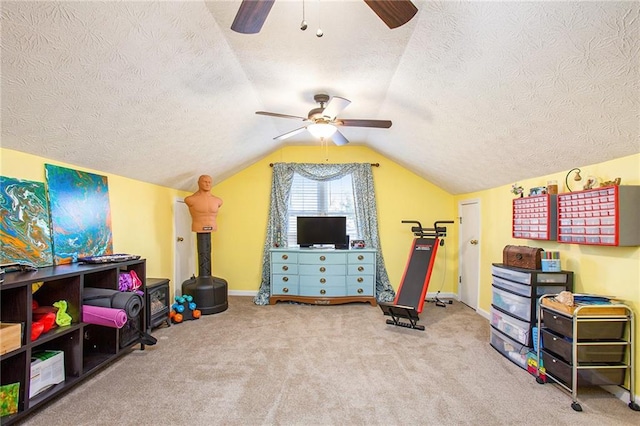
x=321, y=130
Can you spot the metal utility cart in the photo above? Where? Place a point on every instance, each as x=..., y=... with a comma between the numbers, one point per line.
x=590, y=345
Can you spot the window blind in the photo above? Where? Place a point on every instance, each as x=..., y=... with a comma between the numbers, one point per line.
x=321, y=198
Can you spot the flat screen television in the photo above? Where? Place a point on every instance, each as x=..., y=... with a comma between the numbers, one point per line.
x=322, y=230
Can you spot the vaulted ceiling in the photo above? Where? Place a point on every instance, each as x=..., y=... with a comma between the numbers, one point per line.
x=480, y=94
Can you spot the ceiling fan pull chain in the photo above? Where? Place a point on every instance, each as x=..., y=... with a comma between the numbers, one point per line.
x=319, y=32
x=324, y=149
x=303, y=24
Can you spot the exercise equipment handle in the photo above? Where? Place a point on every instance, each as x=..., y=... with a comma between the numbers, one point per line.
x=414, y=229
x=436, y=231
x=441, y=230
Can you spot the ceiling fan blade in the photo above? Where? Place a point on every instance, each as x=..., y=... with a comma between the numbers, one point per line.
x=289, y=134
x=381, y=124
x=394, y=13
x=335, y=107
x=251, y=16
x=339, y=139
x=275, y=114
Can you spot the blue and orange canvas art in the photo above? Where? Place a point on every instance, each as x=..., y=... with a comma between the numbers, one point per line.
x=25, y=235
x=80, y=214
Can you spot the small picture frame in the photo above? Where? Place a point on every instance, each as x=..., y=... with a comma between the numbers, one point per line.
x=357, y=244
x=537, y=190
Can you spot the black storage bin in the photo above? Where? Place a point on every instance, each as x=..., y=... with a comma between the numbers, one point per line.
x=605, y=375
x=562, y=347
x=599, y=330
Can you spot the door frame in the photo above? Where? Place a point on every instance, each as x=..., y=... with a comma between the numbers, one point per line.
x=189, y=242
x=477, y=202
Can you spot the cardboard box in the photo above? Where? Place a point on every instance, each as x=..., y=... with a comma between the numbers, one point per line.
x=47, y=369
x=9, y=399
x=10, y=337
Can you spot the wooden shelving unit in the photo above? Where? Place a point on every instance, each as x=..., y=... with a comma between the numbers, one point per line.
x=86, y=347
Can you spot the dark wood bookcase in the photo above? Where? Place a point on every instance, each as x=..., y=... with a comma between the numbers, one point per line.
x=86, y=347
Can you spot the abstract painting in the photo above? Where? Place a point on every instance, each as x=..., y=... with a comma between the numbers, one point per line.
x=80, y=214
x=25, y=235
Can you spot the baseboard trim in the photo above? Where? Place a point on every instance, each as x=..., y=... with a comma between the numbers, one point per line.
x=430, y=296
x=251, y=293
x=620, y=393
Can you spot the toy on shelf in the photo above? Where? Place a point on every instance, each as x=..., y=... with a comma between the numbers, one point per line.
x=184, y=309
x=44, y=319
x=129, y=281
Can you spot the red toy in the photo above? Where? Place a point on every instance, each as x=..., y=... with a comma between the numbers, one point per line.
x=44, y=319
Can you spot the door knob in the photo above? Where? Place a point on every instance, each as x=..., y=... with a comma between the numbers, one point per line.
x=180, y=239
x=474, y=242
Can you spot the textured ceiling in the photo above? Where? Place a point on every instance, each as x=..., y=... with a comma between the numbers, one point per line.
x=481, y=94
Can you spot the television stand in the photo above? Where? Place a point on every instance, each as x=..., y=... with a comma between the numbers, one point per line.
x=322, y=276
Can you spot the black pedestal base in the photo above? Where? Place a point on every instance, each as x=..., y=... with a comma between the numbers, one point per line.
x=209, y=293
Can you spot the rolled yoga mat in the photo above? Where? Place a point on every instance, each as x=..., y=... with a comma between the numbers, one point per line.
x=99, y=315
x=130, y=302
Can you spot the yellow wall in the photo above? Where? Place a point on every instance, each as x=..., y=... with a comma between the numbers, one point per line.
x=600, y=270
x=142, y=217
x=611, y=271
x=401, y=195
x=141, y=213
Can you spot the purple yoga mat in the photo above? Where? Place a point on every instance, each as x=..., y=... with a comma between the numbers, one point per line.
x=99, y=315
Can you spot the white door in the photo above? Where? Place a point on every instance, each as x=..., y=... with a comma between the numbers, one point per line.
x=469, y=261
x=185, y=260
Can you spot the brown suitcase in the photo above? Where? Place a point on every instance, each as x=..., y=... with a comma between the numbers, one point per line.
x=522, y=257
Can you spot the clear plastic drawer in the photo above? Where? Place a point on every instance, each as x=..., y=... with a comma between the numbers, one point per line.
x=516, y=305
x=510, y=274
x=512, y=327
x=521, y=289
x=508, y=347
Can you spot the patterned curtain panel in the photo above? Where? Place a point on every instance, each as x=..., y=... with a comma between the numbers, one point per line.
x=366, y=217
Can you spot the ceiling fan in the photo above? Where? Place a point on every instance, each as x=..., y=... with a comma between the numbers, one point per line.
x=252, y=13
x=323, y=121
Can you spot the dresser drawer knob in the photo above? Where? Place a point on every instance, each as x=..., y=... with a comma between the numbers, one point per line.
x=323, y=291
x=323, y=269
x=285, y=290
x=285, y=268
x=323, y=258
x=322, y=281
x=285, y=279
x=360, y=268
x=285, y=257
x=360, y=257
x=360, y=279
x=360, y=291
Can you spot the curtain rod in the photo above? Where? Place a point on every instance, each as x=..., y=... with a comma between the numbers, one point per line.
x=372, y=164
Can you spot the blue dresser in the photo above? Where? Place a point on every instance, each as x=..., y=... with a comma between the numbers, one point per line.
x=323, y=276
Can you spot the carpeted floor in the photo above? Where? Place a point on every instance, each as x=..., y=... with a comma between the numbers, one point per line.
x=294, y=364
